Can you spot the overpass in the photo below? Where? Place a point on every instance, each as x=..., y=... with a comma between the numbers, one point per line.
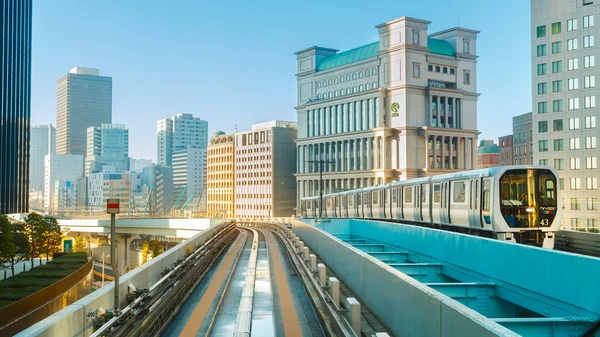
x=351, y=277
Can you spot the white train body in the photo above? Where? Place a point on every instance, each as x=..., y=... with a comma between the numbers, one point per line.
x=513, y=203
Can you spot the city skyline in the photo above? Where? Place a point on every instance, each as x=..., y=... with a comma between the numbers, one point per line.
x=271, y=90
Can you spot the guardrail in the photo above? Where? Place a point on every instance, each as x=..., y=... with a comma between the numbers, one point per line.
x=578, y=242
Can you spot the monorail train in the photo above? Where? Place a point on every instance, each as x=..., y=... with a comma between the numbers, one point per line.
x=513, y=203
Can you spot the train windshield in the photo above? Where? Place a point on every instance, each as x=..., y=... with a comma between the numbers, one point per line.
x=528, y=197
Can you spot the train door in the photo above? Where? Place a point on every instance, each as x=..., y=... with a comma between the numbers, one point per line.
x=436, y=203
x=359, y=205
x=445, y=202
x=408, y=208
x=368, y=205
x=474, y=209
x=387, y=208
x=418, y=202
x=395, y=204
x=425, y=202
x=486, y=201
x=351, y=205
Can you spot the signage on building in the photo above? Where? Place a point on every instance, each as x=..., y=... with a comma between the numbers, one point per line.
x=68, y=246
x=435, y=84
x=395, y=107
x=112, y=206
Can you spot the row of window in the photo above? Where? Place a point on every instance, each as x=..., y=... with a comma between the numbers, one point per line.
x=572, y=84
x=441, y=69
x=557, y=124
x=577, y=223
x=572, y=24
x=576, y=204
x=348, y=117
x=591, y=183
x=573, y=104
x=572, y=64
x=574, y=144
x=347, y=78
x=350, y=90
x=574, y=163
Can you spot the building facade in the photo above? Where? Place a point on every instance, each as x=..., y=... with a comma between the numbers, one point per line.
x=43, y=143
x=189, y=178
x=62, y=173
x=565, y=111
x=523, y=139
x=399, y=108
x=505, y=144
x=15, y=97
x=265, y=163
x=161, y=189
x=109, y=184
x=139, y=164
x=84, y=99
x=177, y=133
x=220, y=185
x=488, y=154
x=107, y=144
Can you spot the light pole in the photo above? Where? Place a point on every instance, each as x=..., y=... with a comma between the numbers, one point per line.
x=112, y=208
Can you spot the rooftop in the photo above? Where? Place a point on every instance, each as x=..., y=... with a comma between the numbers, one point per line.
x=371, y=50
x=487, y=146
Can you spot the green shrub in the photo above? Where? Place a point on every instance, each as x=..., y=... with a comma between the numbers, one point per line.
x=593, y=230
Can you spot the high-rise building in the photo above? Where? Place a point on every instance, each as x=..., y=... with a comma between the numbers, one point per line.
x=84, y=99
x=488, y=154
x=399, y=108
x=107, y=144
x=189, y=178
x=177, y=133
x=505, y=143
x=164, y=142
x=565, y=108
x=265, y=163
x=43, y=143
x=62, y=173
x=15, y=97
x=162, y=189
x=523, y=139
x=220, y=184
x=109, y=184
x=139, y=164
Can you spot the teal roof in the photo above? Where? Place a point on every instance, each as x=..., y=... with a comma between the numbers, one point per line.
x=349, y=56
x=487, y=146
x=440, y=47
x=372, y=49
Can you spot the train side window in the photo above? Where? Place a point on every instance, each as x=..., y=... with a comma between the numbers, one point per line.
x=358, y=199
x=408, y=195
x=459, y=192
x=328, y=202
x=365, y=199
x=387, y=196
x=350, y=200
x=394, y=196
x=486, y=194
x=436, y=193
x=308, y=204
x=424, y=194
x=477, y=194
x=375, y=197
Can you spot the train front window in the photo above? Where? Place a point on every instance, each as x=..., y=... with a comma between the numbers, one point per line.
x=528, y=198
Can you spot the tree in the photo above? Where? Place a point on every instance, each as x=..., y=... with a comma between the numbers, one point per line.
x=79, y=245
x=32, y=231
x=50, y=236
x=156, y=248
x=22, y=244
x=145, y=249
x=7, y=244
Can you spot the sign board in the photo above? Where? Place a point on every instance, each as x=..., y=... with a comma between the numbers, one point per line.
x=395, y=107
x=68, y=246
x=112, y=206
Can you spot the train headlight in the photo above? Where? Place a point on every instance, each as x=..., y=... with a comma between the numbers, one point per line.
x=529, y=210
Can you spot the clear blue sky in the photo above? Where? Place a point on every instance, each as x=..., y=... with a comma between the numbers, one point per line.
x=233, y=63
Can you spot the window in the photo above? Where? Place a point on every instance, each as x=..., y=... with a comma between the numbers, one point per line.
x=556, y=47
x=558, y=145
x=557, y=125
x=591, y=163
x=589, y=61
x=541, y=69
x=429, y=67
x=541, y=31
x=451, y=71
x=408, y=195
x=573, y=64
x=466, y=47
x=591, y=183
x=543, y=162
x=542, y=88
x=573, y=103
x=557, y=67
x=416, y=37
x=571, y=25
x=557, y=106
x=574, y=204
x=575, y=164
x=574, y=123
x=556, y=28
x=590, y=102
x=559, y=164
x=541, y=50
x=592, y=204
x=557, y=86
x=543, y=145
x=416, y=70
x=590, y=142
x=590, y=122
x=573, y=143
x=588, y=21
x=542, y=107
x=561, y=182
x=458, y=191
x=437, y=69
x=573, y=83
x=589, y=81
x=588, y=41
x=467, y=75
x=445, y=70
x=575, y=183
x=571, y=45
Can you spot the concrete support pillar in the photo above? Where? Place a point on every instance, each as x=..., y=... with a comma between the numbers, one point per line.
x=348, y=156
x=361, y=154
x=334, y=291
x=385, y=157
x=355, y=154
x=369, y=162
x=313, y=262
x=473, y=153
x=443, y=152
x=322, y=270
x=353, y=314
x=300, y=247
x=306, y=254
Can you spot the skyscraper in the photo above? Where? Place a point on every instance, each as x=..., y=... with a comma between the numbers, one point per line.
x=84, y=99
x=107, y=144
x=43, y=142
x=565, y=108
x=15, y=94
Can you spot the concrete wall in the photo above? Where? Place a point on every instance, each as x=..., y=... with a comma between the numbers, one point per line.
x=72, y=321
x=408, y=307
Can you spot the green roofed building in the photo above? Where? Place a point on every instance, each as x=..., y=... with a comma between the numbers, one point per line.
x=401, y=107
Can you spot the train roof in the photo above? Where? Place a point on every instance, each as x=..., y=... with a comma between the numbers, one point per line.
x=487, y=172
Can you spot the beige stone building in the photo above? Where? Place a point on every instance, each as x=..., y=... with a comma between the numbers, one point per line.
x=221, y=176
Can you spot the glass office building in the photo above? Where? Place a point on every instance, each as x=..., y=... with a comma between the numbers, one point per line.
x=15, y=90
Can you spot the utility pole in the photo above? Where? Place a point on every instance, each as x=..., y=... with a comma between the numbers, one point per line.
x=321, y=163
